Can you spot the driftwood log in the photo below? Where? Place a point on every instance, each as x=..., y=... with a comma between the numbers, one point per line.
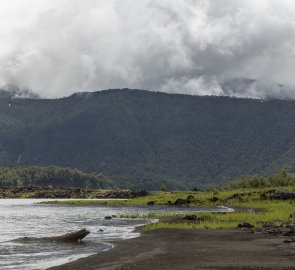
x=69, y=237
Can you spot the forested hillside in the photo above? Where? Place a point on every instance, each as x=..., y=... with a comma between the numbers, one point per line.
x=144, y=139
x=22, y=176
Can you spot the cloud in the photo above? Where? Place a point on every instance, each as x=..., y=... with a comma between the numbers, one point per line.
x=57, y=47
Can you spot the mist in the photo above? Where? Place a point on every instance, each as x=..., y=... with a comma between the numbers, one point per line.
x=242, y=48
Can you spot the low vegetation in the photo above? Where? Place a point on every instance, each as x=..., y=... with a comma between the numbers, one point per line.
x=275, y=212
x=253, y=206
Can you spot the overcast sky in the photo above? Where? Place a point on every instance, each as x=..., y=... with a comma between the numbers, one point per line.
x=203, y=47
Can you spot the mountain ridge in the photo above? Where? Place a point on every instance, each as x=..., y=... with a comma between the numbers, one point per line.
x=143, y=139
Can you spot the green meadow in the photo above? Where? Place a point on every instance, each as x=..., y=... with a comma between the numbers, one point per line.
x=252, y=205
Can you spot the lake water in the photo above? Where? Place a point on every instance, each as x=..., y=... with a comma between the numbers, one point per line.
x=24, y=217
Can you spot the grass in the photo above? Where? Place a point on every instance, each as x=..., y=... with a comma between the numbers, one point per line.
x=247, y=199
x=85, y=202
x=274, y=212
x=202, y=198
x=187, y=225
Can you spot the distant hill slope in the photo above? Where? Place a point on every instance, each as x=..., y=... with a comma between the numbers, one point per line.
x=142, y=138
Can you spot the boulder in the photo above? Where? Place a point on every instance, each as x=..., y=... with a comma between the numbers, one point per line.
x=191, y=217
x=282, y=196
x=214, y=199
x=187, y=201
x=245, y=225
x=180, y=202
x=236, y=196
x=150, y=203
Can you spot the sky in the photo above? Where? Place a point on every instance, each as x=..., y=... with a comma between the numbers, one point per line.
x=242, y=48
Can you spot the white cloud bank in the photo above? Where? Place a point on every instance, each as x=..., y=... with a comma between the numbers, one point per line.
x=57, y=47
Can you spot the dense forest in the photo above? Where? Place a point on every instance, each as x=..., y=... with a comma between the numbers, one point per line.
x=20, y=176
x=280, y=179
x=146, y=140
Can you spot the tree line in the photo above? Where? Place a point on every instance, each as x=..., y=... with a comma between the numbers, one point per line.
x=280, y=179
x=24, y=176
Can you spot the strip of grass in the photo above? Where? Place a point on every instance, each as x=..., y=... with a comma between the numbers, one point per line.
x=278, y=212
x=86, y=202
x=201, y=198
x=274, y=211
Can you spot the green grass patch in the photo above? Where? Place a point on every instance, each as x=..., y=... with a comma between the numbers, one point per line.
x=201, y=198
x=274, y=212
x=247, y=199
x=86, y=202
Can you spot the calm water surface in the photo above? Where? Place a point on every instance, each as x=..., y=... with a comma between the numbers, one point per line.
x=19, y=218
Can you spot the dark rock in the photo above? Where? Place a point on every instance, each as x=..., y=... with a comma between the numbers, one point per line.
x=190, y=217
x=236, y=196
x=190, y=198
x=125, y=194
x=282, y=196
x=290, y=240
x=180, y=202
x=170, y=203
x=150, y=203
x=214, y=199
x=187, y=201
x=245, y=225
x=265, y=195
x=279, y=228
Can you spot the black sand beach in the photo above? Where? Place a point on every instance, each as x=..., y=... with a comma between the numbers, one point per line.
x=193, y=249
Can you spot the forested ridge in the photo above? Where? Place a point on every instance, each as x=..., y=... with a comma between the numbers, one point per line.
x=144, y=139
x=25, y=176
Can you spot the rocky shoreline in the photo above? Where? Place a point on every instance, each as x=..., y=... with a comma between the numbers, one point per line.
x=37, y=192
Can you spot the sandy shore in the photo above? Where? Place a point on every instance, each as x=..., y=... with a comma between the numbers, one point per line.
x=192, y=249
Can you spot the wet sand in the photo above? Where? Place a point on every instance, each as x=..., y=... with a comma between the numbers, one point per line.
x=193, y=249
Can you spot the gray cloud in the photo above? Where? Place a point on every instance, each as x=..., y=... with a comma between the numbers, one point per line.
x=204, y=47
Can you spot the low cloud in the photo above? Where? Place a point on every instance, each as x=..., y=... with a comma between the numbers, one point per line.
x=203, y=47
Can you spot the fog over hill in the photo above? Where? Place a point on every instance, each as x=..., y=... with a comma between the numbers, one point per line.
x=194, y=47
x=142, y=139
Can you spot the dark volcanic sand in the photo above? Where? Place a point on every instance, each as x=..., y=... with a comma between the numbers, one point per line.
x=193, y=249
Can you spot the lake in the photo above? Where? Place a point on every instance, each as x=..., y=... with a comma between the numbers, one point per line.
x=25, y=217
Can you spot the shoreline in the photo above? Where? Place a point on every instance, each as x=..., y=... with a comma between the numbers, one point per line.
x=192, y=249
